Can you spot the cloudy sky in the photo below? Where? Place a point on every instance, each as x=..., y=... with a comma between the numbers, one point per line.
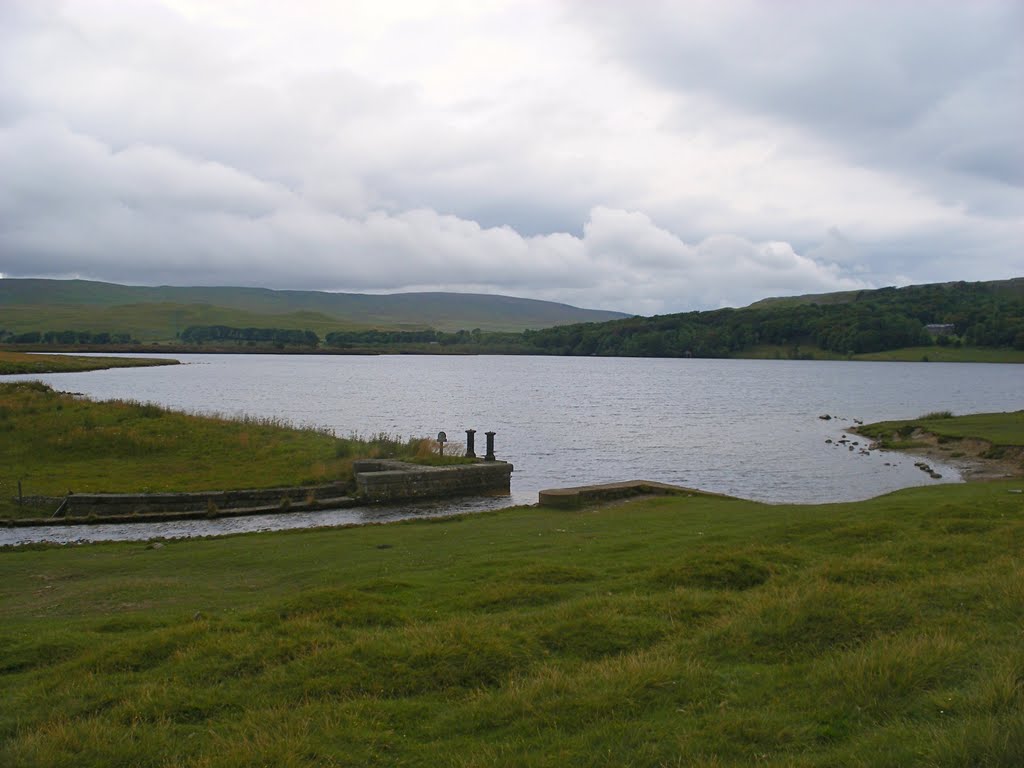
x=643, y=156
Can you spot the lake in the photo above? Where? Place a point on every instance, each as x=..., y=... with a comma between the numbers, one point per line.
x=747, y=428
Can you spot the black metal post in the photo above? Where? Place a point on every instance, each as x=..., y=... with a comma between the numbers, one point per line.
x=470, y=440
x=489, y=456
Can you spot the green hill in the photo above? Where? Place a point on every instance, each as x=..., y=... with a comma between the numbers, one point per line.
x=984, y=314
x=160, y=313
x=1012, y=289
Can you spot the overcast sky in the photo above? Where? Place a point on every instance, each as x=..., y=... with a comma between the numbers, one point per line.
x=643, y=156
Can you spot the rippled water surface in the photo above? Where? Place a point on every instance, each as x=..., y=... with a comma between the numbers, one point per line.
x=742, y=427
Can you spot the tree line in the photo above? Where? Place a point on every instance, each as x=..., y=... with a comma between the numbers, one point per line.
x=201, y=334
x=65, y=338
x=428, y=337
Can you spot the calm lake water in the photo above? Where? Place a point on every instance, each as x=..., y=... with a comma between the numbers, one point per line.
x=741, y=427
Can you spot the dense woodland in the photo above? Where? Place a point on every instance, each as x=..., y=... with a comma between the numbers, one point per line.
x=981, y=315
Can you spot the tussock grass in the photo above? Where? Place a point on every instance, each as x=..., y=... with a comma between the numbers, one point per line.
x=668, y=631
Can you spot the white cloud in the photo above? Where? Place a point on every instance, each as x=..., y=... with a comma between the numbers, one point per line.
x=185, y=220
x=651, y=158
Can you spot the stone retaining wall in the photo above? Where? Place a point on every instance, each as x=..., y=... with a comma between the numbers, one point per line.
x=107, y=504
x=386, y=480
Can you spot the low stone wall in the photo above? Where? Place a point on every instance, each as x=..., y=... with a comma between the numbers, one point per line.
x=387, y=481
x=113, y=504
x=377, y=482
x=573, y=498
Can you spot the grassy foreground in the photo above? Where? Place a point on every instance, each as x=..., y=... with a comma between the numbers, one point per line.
x=21, y=362
x=662, y=632
x=54, y=442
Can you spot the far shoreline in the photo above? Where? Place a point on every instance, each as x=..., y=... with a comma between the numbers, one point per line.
x=934, y=354
x=17, y=363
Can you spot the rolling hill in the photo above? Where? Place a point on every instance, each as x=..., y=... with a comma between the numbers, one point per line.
x=160, y=313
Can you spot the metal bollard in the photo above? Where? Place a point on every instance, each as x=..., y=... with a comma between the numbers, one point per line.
x=470, y=440
x=489, y=456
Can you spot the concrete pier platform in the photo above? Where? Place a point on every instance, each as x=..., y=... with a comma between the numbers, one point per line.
x=574, y=498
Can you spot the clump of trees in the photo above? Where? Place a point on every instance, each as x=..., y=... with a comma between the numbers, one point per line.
x=201, y=334
x=350, y=339
x=488, y=340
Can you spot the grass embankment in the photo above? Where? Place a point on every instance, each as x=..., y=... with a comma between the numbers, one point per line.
x=55, y=442
x=933, y=354
x=21, y=362
x=938, y=354
x=991, y=436
x=667, y=631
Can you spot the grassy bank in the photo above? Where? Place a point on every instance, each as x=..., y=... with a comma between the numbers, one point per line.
x=21, y=362
x=932, y=354
x=668, y=631
x=55, y=442
x=939, y=354
x=997, y=430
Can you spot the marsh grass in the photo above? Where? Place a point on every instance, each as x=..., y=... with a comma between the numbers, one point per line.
x=55, y=442
x=668, y=631
x=933, y=415
x=21, y=362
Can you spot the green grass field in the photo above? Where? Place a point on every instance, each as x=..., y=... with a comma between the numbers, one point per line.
x=20, y=362
x=668, y=631
x=55, y=442
x=663, y=632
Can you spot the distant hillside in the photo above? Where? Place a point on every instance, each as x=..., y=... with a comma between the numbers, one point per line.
x=1012, y=289
x=984, y=314
x=160, y=313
